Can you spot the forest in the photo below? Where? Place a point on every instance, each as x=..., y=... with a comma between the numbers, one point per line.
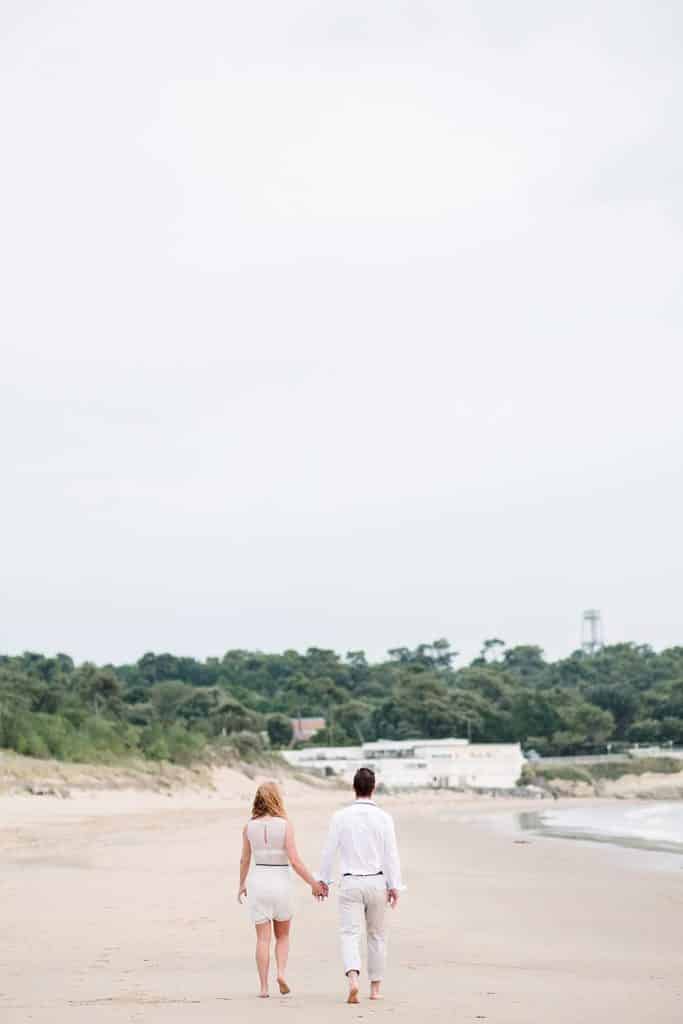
x=165, y=707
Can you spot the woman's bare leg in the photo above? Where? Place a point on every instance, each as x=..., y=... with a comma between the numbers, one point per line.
x=281, y=929
x=263, y=956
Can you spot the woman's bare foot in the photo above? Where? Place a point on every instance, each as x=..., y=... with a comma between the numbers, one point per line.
x=264, y=995
x=374, y=990
x=353, y=987
x=284, y=987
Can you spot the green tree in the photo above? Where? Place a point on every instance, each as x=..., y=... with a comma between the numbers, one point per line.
x=525, y=661
x=585, y=727
x=622, y=701
x=167, y=698
x=100, y=689
x=280, y=731
x=163, y=705
x=353, y=718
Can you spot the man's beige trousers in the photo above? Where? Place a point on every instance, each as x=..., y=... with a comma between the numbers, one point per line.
x=363, y=901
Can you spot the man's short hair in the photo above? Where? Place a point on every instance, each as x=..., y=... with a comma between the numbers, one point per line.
x=364, y=782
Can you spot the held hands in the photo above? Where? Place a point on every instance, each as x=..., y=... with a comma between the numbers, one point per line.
x=320, y=891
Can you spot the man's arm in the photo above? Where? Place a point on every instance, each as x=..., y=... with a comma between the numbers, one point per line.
x=392, y=863
x=329, y=852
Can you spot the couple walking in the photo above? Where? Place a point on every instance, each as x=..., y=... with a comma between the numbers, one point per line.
x=363, y=836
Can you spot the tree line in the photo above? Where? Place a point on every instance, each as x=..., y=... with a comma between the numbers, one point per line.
x=179, y=708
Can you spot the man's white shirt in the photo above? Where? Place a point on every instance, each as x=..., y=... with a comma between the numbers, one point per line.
x=364, y=837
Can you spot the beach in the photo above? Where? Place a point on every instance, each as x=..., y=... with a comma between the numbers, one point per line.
x=120, y=906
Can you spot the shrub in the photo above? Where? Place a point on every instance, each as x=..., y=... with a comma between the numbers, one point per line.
x=183, y=745
x=608, y=770
x=636, y=766
x=565, y=773
x=248, y=745
x=153, y=743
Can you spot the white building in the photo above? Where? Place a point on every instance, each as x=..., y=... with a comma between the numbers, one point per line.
x=404, y=764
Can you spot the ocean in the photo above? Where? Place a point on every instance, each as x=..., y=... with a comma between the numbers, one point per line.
x=650, y=826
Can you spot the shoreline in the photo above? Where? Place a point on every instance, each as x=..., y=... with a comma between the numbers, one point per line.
x=575, y=824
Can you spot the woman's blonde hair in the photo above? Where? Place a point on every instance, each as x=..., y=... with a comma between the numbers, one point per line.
x=268, y=801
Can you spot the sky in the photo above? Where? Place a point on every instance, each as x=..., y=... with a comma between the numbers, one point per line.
x=349, y=325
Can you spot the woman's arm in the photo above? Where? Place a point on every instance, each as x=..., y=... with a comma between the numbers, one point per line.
x=245, y=861
x=297, y=863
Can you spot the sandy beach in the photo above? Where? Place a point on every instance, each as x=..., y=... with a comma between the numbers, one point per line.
x=121, y=907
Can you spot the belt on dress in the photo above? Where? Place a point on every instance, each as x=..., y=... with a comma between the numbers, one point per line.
x=257, y=865
x=373, y=874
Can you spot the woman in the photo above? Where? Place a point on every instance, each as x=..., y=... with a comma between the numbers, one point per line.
x=269, y=838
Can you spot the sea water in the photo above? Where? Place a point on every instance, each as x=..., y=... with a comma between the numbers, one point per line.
x=651, y=825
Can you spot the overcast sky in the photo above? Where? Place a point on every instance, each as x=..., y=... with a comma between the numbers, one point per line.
x=347, y=324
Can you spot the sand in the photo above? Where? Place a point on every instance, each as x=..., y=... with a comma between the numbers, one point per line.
x=121, y=907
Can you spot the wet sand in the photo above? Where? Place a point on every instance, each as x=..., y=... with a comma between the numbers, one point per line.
x=122, y=908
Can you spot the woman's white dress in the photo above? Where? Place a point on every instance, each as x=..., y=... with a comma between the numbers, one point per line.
x=269, y=889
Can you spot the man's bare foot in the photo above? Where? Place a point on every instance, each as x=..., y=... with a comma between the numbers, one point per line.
x=284, y=987
x=374, y=990
x=353, y=987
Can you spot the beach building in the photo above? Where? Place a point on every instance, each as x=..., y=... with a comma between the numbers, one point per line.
x=419, y=763
x=304, y=729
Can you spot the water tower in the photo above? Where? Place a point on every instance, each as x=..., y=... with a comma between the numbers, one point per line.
x=591, y=631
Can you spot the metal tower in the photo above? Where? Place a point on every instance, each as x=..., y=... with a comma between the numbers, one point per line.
x=591, y=631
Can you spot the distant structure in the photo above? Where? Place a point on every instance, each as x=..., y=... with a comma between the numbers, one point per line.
x=305, y=729
x=591, y=631
x=419, y=763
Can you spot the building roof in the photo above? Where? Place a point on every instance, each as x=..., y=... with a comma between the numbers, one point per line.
x=452, y=741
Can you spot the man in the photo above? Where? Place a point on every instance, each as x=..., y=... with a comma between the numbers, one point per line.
x=364, y=837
